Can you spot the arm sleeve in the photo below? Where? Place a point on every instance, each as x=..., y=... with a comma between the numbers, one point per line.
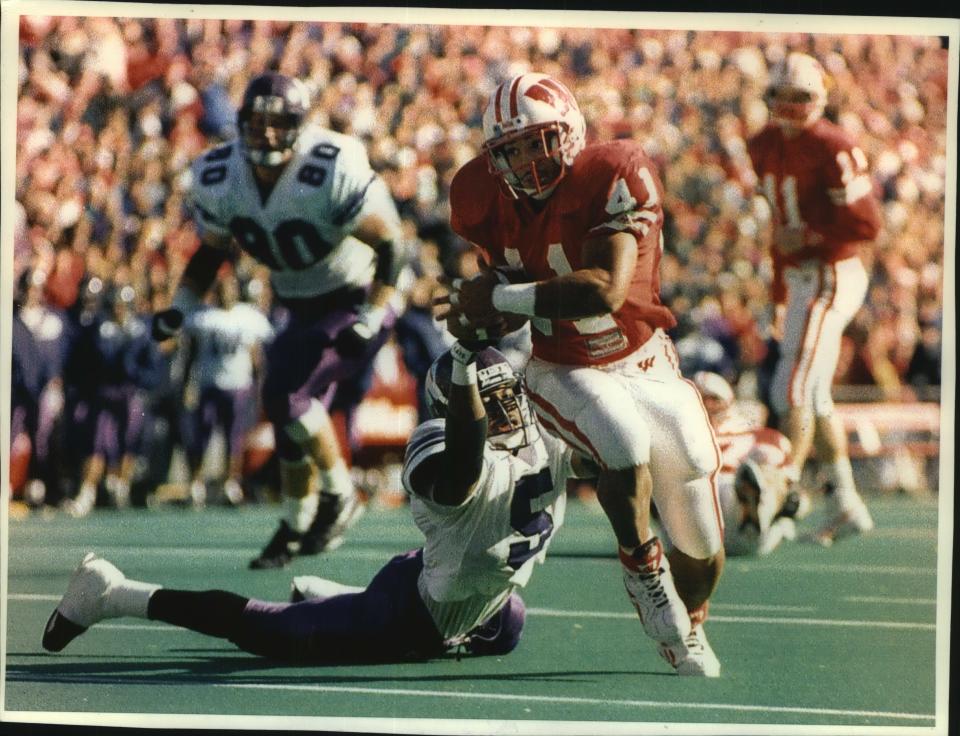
x=207, y=217
x=633, y=200
x=357, y=189
x=856, y=210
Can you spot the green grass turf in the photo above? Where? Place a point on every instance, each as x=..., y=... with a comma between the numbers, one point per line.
x=842, y=636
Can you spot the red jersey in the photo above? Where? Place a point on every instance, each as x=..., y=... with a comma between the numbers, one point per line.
x=611, y=188
x=763, y=444
x=817, y=179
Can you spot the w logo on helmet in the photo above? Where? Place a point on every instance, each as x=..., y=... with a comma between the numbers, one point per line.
x=552, y=93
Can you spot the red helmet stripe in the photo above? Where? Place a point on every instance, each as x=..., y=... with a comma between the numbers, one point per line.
x=513, y=97
x=496, y=104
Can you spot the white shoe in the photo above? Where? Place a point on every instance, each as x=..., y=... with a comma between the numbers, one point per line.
x=82, y=504
x=653, y=593
x=198, y=494
x=233, y=492
x=692, y=657
x=311, y=587
x=119, y=491
x=83, y=604
x=853, y=518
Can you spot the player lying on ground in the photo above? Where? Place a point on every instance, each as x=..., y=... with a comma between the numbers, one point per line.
x=486, y=489
x=758, y=501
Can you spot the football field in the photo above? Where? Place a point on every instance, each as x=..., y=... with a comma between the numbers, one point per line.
x=844, y=636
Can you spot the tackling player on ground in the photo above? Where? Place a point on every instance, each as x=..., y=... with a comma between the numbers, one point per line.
x=824, y=210
x=303, y=201
x=758, y=501
x=582, y=225
x=486, y=489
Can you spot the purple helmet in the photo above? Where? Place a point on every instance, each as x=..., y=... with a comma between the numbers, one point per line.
x=510, y=423
x=276, y=102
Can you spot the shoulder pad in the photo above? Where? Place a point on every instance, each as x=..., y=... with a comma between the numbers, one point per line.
x=427, y=440
x=471, y=191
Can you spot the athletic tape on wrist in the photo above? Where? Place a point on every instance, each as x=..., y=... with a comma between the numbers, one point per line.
x=515, y=298
x=464, y=374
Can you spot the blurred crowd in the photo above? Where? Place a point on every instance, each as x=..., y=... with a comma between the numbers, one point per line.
x=111, y=111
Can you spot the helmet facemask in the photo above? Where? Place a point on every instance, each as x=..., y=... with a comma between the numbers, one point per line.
x=269, y=137
x=536, y=175
x=510, y=425
x=510, y=421
x=793, y=106
x=797, y=94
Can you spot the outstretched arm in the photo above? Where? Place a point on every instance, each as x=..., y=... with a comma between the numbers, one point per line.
x=465, y=433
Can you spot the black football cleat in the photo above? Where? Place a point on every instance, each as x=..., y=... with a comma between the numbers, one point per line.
x=281, y=548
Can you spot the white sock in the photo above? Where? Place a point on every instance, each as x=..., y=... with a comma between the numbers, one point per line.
x=841, y=472
x=300, y=511
x=129, y=598
x=336, y=480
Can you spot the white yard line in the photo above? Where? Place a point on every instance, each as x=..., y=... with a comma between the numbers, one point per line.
x=747, y=619
x=581, y=701
x=879, y=599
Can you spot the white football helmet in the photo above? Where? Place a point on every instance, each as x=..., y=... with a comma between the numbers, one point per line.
x=797, y=93
x=533, y=105
x=717, y=394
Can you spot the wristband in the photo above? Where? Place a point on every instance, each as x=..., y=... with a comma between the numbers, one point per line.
x=462, y=354
x=515, y=298
x=464, y=374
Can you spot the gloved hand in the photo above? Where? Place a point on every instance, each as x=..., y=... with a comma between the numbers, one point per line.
x=463, y=353
x=353, y=341
x=166, y=323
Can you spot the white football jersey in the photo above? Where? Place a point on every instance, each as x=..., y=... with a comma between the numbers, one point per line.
x=302, y=232
x=225, y=338
x=477, y=553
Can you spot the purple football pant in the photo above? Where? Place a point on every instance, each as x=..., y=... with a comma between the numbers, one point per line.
x=120, y=417
x=232, y=410
x=303, y=364
x=388, y=621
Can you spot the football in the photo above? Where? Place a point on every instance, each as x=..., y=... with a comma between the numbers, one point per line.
x=494, y=330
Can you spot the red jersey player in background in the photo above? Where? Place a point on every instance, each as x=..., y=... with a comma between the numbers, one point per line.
x=824, y=209
x=758, y=501
x=581, y=227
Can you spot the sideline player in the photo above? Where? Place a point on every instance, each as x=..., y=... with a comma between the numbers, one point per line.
x=758, y=501
x=824, y=210
x=303, y=201
x=226, y=340
x=582, y=225
x=487, y=491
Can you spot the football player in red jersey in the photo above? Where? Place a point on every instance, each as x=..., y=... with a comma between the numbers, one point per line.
x=824, y=210
x=581, y=224
x=759, y=503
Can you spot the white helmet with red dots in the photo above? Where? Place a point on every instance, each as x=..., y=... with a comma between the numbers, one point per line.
x=797, y=94
x=536, y=109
